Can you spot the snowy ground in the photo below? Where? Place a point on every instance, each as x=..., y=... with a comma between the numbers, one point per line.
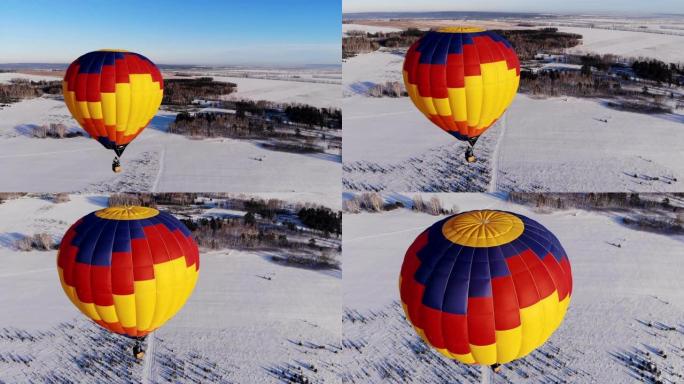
x=667, y=48
x=555, y=144
x=626, y=305
x=155, y=161
x=6, y=77
x=248, y=320
x=321, y=95
x=347, y=27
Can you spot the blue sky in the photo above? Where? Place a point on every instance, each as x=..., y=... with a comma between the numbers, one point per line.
x=264, y=32
x=560, y=6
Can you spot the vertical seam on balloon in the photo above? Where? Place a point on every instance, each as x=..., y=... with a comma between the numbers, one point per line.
x=132, y=263
x=164, y=318
x=111, y=274
x=534, y=282
x=420, y=305
x=471, y=130
x=439, y=38
x=442, y=315
x=177, y=299
x=124, y=67
x=152, y=99
x=485, y=97
x=142, y=116
x=500, y=81
x=504, y=102
x=517, y=301
x=90, y=271
x=88, y=83
x=491, y=293
x=429, y=75
x=450, y=116
x=111, y=55
x=154, y=278
x=467, y=296
x=73, y=270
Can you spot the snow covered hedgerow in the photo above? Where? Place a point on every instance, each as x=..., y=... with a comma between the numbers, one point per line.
x=61, y=198
x=39, y=241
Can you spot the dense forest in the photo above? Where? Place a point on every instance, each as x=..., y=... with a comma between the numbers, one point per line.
x=527, y=42
x=184, y=91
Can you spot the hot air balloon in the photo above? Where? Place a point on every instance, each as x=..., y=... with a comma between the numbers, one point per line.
x=130, y=269
x=113, y=94
x=462, y=79
x=485, y=287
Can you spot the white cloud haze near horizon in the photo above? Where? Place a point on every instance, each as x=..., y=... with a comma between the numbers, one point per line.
x=550, y=6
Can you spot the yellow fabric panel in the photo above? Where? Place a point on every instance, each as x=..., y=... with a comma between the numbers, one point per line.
x=484, y=354
x=69, y=290
x=485, y=228
x=145, y=302
x=562, y=309
x=532, y=319
x=83, y=109
x=466, y=359
x=550, y=307
x=132, y=212
x=474, y=93
x=70, y=101
x=109, y=107
x=457, y=99
x=489, y=93
x=442, y=106
x=140, y=96
x=500, y=91
x=428, y=105
x=508, y=344
x=180, y=281
x=508, y=89
x=461, y=29
x=157, y=95
x=95, y=109
x=125, y=309
x=165, y=291
x=191, y=276
x=412, y=90
x=107, y=313
x=89, y=310
x=123, y=105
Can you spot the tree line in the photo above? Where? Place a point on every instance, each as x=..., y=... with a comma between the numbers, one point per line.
x=184, y=91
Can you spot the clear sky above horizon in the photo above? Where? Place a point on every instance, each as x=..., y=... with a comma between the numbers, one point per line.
x=559, y=6
x=264, y=32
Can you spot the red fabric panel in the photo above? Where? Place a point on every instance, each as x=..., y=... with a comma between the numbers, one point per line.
x=108, y=79
x=481, y=321
x=455, y=71
x=101, y=283
x=506, y=310
x=122, y=273
x=142, y=263
x=455, y=329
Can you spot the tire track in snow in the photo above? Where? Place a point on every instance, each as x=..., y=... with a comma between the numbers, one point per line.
x=496, y=157
x=149, y=361
x=162, y=158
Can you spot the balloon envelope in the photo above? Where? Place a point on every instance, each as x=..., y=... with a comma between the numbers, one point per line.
x=462, y=78
x=130, y=269
x=113, y=95
x=485, y=287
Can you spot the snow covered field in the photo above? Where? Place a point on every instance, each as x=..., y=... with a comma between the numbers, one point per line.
x=156, y=160
x=248, y=320
x=626, y=305
x=6, y=77
x=555, y=144
x=348, y=27
x=664, y=47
